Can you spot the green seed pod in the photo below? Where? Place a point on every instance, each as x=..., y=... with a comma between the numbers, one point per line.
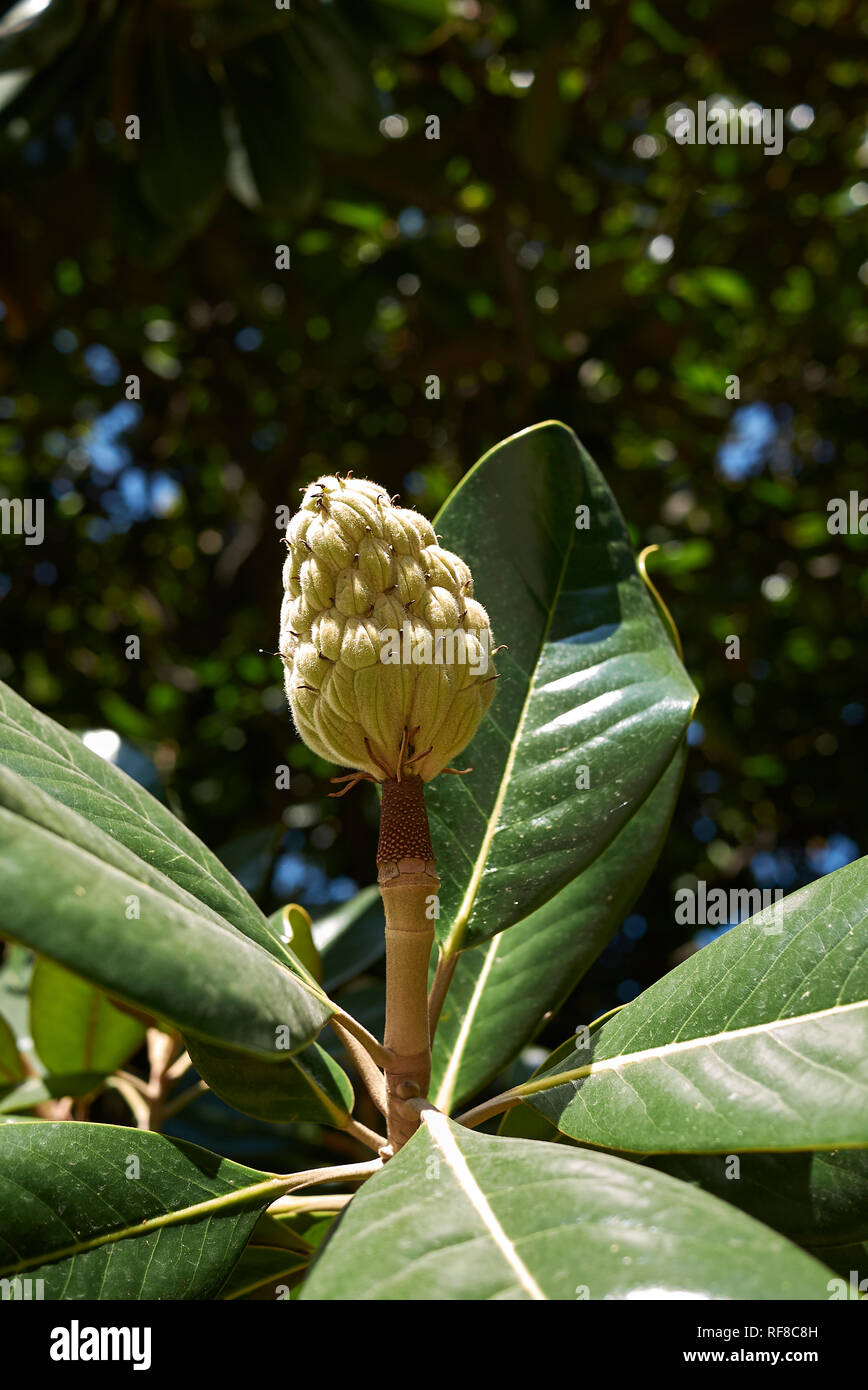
x=387, y=655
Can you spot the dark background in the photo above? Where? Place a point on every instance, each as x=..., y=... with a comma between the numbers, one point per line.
x=455, y=257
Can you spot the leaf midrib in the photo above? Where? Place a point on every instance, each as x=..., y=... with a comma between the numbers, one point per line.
x=244, y=1196
x=442, y=1138
x=665, y=1050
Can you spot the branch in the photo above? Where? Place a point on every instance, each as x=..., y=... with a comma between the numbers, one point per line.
x=370, y=1074
x=137, y=1083
x=380, y=1054
x=507, y=1100
x=163, y=1050
x=420, y=1106
x=148, y=1099
x=177, y=1069
x=344, y=1172
x=439, y=988
x=140, y=1108
x=365, y=1136
x=408, y=879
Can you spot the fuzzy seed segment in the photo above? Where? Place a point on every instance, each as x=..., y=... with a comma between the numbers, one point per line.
x=387, y=653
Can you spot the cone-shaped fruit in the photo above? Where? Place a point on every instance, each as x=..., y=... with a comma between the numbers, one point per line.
x=387, y=653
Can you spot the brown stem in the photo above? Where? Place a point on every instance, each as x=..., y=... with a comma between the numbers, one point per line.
x=368, y=1137
x=134, y=1099
x=344, y=1172
x=369, y=1072
x=422, y=1106
x=163, y=1050
x=408, y=880
x=439, y=989
x=488, y=1109
x=375, y=1049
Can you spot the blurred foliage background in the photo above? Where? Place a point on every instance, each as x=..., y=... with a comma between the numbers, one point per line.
x=156, y=257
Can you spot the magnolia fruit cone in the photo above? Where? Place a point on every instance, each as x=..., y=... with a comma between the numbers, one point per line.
x=386, y=650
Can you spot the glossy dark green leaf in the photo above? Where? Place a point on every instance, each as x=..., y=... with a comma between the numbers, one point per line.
x=100, y=1212
x=308, y=1085
x=524, y=1123
x=461, y=1215
x=59, y=764
x=74, y=1026
x=365, y=1001
x=351, y=937
x=812, y=1198
x=75, y=894
x=502, y=990
x=311, y=1226
x=37, y=1090
x=293, y=925
x=850, y=1264
x=759, y=1041
x=277, y=1229
x=182, y=153
x=263, y=1272
x=591, y=680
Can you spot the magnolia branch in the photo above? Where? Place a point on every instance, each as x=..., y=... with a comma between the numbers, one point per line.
x=370, y=1074
x=439, y=989
x=342, y=1172
x=380, y=1054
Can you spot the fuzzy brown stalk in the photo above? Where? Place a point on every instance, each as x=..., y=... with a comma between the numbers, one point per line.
x=408, y=881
